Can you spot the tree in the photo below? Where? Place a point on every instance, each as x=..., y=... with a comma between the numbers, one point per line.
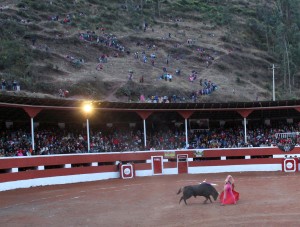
x=287, y=21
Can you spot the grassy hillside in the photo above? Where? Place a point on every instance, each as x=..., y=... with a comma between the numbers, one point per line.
x=222, y=41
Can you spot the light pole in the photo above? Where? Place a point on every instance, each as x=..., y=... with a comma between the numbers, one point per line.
x=273, y=68
x=273, y=82
x=88, y=109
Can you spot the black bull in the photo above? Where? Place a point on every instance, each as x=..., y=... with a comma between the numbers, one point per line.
x=203, y=189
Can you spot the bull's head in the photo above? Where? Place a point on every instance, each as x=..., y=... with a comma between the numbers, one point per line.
x=215, y=195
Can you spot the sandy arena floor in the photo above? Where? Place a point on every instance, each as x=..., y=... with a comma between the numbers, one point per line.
x=266, y=199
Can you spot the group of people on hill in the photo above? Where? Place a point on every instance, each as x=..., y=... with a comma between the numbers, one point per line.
x=12, y=85
x=106, y=39
x=75, y=61
x=193, y=76
x=207, y=87
x=63, y=93
x=67, y=19
x=111, y=41
x=166, y=77
x=205, y=56
x=162, y=99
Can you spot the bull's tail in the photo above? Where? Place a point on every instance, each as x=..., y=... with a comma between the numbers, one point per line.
x=180, y=190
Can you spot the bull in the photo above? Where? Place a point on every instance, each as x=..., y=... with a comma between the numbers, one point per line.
x=203, y=189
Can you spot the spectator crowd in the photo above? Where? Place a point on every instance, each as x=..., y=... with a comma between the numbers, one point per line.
x=118, y=139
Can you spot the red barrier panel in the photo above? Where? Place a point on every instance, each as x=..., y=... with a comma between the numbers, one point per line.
x=89, y=167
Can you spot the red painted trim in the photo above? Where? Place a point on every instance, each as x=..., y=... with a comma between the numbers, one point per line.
x=186, y=113
x=73, y=159
x=248, y=152
x=144, y=114
x=142, y=166
x=170, y=165
x=106, y=162
x=245, y=113
x=32, y=111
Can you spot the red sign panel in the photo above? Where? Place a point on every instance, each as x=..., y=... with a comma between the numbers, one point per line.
x=157, y=165
x=182, y=163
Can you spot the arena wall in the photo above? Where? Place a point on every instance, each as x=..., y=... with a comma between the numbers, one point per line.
x=31, y=171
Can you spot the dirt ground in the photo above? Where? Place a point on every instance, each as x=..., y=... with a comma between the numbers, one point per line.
x=266, y=199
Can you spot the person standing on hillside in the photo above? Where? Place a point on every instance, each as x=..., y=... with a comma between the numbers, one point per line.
x=3, y=84
x=130, y=75
x=14, y=86
x=33, y=40
x=145, y=26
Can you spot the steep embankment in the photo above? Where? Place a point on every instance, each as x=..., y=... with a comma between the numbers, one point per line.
x=182, y=40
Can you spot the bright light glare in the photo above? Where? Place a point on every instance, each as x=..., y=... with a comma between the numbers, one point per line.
x=87, y=108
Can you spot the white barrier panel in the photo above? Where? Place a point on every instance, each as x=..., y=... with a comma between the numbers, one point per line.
x=235, y=168
x=57, y=180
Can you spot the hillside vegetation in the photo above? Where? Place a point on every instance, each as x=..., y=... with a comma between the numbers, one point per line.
x=229, y=44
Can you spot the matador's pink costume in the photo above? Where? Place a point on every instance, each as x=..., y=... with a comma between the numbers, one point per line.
x=229, y=195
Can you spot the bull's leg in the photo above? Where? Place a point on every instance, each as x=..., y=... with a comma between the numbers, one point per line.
x=209, y=199
x=185, y=201
x=205, y=201
x=180, y=199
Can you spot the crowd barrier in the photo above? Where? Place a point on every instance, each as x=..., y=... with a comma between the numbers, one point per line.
x=30, y=171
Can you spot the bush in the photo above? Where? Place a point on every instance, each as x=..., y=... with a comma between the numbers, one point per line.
x=46, y=87
x=130, y=89
x=94, y=1
x=13, y=55
x=22, y=14
x=39, y=6
x=268, y=86
x=94, y=19
x=50, y=24
x=222, y=67
x=9, y=29
x=21, y=5
x=239, y=74
x=108, y=16
x=257, y=28
x=254, y=74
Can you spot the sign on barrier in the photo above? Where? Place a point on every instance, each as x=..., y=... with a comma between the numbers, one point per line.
x=290, y=165
x=127, y=171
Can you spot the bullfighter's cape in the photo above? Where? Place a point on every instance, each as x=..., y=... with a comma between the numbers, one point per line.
x=229, y=199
